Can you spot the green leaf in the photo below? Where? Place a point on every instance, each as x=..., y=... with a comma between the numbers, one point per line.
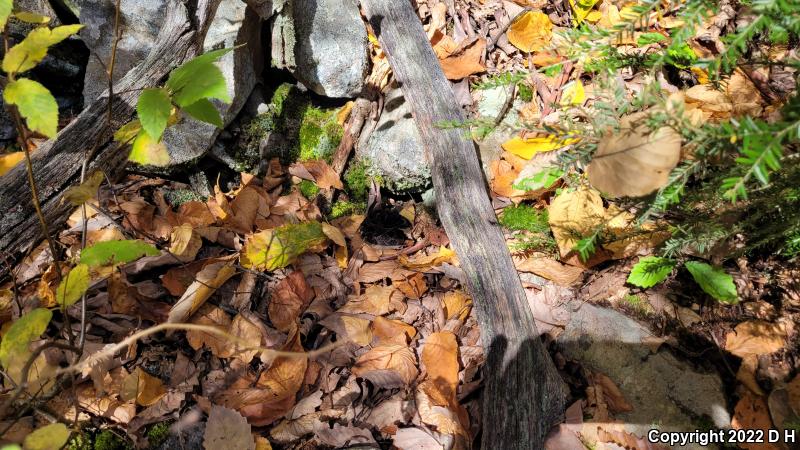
x=50, y=437
x=35, y=103
x=6, y=6
x=28, y=53
x=116, y=252
x=205, y=111
x=147, y=150
x=649, y=38
x=27, y=328
x=275, y=249
x=207, y=82
x=650, y=271
x=184, y=74
x=154, y=108
x=714, y=281
x=541, y=180
x=73, y=286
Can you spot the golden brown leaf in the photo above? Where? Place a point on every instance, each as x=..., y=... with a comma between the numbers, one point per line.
x=185, y=242
x=444, y=255
x=387, y=365
x=752, y=413
x=464, y=60
x=211, y=278
x=388, y=331
x=290, y=298
x=143, y=387
x=531, y=32
x=573, y=215
x=553, y=270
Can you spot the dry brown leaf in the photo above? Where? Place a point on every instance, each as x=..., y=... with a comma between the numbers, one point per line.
x=273, y=394
x=388, y=331
x=319, y=172
x=614, y=398
x=194, y=213
x=413, y=287
x=548, y=268
x=375, y=300
x=208, y=280
x=752, y=413
x=178, y=279
x=244, y=210
x=143, y=387
x=290, y=298
x=105, y=405
x=440, y=358
x=345, y=326
x=634, y=161
x=227, y=429
x=793, y=390
x=250, y=336
x=465, y=60
x=210, y=315
x=387, y=366
x=456, y=304
x=185, y=242
x=756, y=337
x=334, y=234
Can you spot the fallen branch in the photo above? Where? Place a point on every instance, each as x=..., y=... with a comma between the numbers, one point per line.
x=57, y=163
x=524, y=394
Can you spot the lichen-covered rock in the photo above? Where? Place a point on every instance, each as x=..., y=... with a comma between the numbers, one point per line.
x=324, y=44
x=394, y=148
x=291, y=127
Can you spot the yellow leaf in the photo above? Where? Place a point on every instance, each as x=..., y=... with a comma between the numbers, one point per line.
x=573, y=215
x=344, y=113
x=73, y=286
x=444, y=255
x=531, y=32
x=9, y=160
x=573, y=94
x=148, y=151
x=50, y=437
x=185, y=242
x=143, y=387
x=581, y=9
x=527, y=148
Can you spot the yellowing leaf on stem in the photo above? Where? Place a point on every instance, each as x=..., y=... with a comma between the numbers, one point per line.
x=9, y=160
x=78, y=195
x=35, y=103
x=531, y=32
x=148, y=151
x=50, y=437
x=14, y=346
x=32, y=50
x=528, y=147
x=30, y=17
x=73, y=286
x=6, y=6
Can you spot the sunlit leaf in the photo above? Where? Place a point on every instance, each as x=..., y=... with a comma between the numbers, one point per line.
x=581, y=8
x=32, y=50
x=30, y=17
x=199, y=78
x=650, y=271
x=148, y=151
x=714, y=281
x=184, y=74
x=116, y=252
x=275, y=249
x=9, y=160
x=205, y=111
x=27, y=328
x=6, y=6
x=35, y=103
x=531, y=32
x=50, y=437
x=526, y=148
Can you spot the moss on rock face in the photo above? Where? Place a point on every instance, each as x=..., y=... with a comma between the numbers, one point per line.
x=357, y=180
x=345, y=208
x=158, y=433
x=305, y=130
x=308, y=189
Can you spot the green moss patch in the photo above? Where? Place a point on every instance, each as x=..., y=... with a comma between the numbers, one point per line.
x=525, y=218
x=346, y=208
x=308, y=189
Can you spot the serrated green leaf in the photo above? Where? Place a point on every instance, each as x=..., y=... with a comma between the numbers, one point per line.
x=30, y=17
x=111, y=253
x=27, y=328
x=650, y=271
x=207, y=82
x=6, y=6
x=714, y=281
x=32, y=50
x=184, y=74
x=50, y=437
x=154, y=108
x=148, y=151
x=35, y=103
x=205, y=111
x=277, y=248
x=73, y=286
x=540, y=180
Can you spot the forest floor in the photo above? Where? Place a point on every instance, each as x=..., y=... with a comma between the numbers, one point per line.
x=356, y=331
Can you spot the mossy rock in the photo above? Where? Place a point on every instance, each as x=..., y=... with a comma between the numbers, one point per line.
x=294, y=127
x=344, y=208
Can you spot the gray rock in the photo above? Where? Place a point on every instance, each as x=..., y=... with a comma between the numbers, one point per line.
x=234, y=24
x=490, y=106
x=324, y=44
x=665, y=392
x=394, y=150
x=140, y=22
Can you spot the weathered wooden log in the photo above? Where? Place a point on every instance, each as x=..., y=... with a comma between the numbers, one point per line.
x=523, y=394
x=57, y=163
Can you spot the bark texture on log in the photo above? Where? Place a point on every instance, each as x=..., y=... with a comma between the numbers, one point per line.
x=57, y=163
x=524, y=394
